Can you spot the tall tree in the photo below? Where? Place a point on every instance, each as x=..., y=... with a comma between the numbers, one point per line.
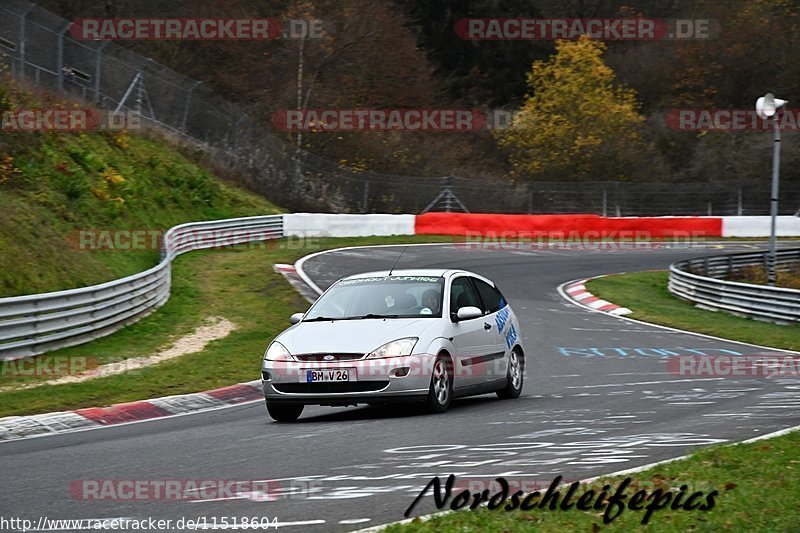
x=475, y=72
x=577, y=123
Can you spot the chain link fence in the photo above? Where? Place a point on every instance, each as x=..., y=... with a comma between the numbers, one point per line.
x=37, y=47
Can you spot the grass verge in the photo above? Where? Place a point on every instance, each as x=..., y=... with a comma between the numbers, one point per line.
x=757, y=484
x=646, y=294
x=60, y=190
x=236, y=283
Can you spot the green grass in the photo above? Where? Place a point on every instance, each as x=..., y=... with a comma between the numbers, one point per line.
x=758, y=485
x=238, y=284
x=55, y=184
x=646, y=294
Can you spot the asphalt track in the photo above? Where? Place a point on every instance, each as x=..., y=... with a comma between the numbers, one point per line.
x=597, y=399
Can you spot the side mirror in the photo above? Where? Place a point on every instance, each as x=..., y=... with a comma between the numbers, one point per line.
x=295, y=318
x=468, y=312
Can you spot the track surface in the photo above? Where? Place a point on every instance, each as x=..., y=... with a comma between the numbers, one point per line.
x=583, y=412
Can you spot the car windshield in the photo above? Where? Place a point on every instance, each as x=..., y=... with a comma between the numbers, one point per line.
x=380, y=297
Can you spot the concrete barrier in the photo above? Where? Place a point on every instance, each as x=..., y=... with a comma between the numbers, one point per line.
x=345, y=225
x=787, y=226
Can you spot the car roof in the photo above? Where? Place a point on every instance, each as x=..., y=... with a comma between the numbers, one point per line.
x=436, y=272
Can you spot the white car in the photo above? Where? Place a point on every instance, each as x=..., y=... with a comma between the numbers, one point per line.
x=423, y=336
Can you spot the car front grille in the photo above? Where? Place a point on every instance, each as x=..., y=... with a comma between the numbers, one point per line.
x=320, y=357
x=330, y=387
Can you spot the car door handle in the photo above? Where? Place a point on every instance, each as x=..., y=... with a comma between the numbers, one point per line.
x=487, y=326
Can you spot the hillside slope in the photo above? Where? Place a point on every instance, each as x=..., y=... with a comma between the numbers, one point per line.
x=55, y=184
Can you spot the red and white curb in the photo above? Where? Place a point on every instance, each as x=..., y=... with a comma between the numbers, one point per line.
x=22, y=427
x=577, y=292
x=296, y=281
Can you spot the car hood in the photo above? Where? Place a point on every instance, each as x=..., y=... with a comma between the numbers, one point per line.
x=351, y=336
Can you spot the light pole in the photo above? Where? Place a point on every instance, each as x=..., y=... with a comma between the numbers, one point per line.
x=766, y=107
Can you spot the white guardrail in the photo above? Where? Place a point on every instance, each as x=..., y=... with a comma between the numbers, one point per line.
x=39, y=323
x=700, y=280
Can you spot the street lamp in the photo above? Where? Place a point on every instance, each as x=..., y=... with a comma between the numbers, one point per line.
x=766, y=107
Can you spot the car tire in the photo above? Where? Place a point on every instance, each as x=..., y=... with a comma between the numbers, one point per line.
x=515, y=376
x=284, y=412
x=440, y=393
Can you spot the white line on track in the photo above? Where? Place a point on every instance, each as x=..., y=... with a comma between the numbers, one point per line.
x=561, y=291
x=354, y=520
x=298, y=266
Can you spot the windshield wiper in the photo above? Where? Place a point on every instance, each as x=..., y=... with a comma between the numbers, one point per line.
x=321, y=319
x=331, y=319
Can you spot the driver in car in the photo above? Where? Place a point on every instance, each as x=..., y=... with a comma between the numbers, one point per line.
x=430, y=301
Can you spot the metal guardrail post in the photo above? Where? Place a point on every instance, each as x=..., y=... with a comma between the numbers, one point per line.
x=773, y=202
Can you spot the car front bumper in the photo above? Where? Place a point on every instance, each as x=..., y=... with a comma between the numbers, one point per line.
x=403, y=379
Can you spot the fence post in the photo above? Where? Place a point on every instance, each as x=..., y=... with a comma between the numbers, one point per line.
x=366, y=196
x=139, y=93
x=236, y=133
x=739, y=202
x=186, y=107
x=60, y=57
x=530, y=199
x=605, y=202
x=709, y=208
x=22, y=39
x=98, y=65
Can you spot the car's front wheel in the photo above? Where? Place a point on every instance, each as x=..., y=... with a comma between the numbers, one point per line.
x=441, y=390
x=284, y=412
x=514, y=376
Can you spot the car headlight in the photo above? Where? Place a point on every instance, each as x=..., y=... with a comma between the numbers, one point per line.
x=395, y=348
x=277, y=352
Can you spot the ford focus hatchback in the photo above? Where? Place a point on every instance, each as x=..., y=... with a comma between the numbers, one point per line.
x=416, y=336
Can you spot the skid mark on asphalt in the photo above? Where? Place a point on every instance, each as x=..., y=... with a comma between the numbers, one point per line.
x=534, y=456
x=575, y=443
x=636, y=383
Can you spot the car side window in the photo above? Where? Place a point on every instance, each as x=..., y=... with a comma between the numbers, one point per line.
x=462, y=294
x=492, y=300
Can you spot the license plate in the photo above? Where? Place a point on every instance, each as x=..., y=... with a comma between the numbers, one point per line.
x=330, y=375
